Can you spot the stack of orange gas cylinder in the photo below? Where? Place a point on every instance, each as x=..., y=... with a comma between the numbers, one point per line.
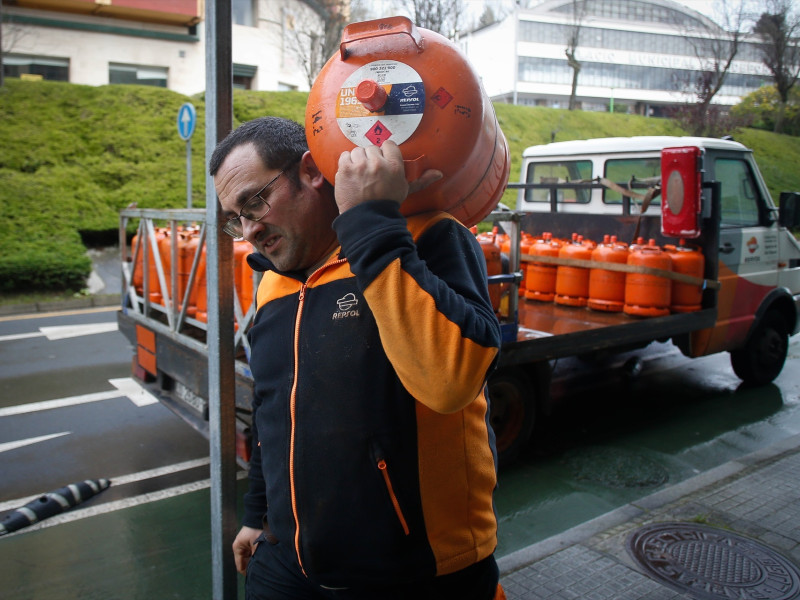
x=188, y=240
x=573, y=275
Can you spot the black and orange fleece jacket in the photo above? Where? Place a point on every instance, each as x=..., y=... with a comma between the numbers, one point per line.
x=373, y=455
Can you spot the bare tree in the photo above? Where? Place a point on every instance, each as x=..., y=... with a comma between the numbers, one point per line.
x=579, y=9
x=11, y=36
x=487, y=17
x=715, y=48
x=315, y=38
x=778, y=29
x=442, y=16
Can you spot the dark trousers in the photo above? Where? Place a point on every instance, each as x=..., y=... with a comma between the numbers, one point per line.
x=273, y=574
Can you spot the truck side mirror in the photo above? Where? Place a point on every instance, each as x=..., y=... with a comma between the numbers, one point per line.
x=789, y=216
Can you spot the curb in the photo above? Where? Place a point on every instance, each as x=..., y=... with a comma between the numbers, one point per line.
x=58, y=305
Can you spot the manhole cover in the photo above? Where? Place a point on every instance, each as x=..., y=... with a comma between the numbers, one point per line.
x=711, y=563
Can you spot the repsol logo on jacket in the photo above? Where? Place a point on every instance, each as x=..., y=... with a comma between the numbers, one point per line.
x=346, y=307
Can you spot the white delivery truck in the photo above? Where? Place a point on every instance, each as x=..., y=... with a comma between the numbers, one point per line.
x=699, y=199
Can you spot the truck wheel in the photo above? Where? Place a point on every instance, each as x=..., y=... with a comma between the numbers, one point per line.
x=761, y=359
x=513, y=413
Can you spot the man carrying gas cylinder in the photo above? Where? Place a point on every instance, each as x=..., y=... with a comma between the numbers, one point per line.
x=373, y=463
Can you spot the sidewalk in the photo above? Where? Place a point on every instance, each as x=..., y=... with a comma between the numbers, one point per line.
x=731, y=532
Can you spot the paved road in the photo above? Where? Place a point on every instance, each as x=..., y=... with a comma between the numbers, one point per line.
x=69, y=411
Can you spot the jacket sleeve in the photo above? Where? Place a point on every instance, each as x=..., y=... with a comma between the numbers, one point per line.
x=255, y=499
x=429, y=298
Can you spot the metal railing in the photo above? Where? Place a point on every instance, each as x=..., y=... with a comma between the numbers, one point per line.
x=167, y=310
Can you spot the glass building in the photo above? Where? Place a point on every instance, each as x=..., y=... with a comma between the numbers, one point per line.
x=637, y=56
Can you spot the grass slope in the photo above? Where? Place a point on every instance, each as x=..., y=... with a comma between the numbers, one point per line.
x=72, y=156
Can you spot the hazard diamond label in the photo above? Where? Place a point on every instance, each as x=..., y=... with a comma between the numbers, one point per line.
x=378, y=133
x=442, y=97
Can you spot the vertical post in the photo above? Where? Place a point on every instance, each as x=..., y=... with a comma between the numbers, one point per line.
x=189, y=173
x=219, y=252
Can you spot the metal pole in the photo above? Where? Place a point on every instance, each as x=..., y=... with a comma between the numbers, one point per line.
x=219, y=252
x=189, y=173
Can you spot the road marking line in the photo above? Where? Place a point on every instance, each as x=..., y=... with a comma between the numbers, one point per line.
x=58, y=403
x=158, y=472
x=62, y=332
x=108, y=507
x=123, y=479
x=127, y=387
x=135, y=392
x=27, y=442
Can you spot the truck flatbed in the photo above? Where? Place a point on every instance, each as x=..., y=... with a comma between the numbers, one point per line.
x=548, y=330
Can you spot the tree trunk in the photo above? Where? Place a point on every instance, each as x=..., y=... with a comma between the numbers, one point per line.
x=779, y=117
x=576, y=69
x=702, y=126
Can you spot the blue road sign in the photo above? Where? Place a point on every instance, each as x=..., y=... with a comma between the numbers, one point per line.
x=187, y=120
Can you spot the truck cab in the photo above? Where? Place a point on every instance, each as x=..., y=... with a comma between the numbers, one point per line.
x=748, y=249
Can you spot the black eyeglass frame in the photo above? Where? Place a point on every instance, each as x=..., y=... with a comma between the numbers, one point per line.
x=233, y=226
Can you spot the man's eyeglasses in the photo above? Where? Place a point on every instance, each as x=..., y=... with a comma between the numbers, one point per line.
x=255, y=209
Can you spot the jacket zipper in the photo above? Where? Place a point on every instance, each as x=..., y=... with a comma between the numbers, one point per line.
x=385, y=472
x=293, y=408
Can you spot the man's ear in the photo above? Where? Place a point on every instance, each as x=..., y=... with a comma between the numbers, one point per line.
x=310, y=171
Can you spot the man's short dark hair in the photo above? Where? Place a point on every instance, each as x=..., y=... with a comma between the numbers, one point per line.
x=279, y=142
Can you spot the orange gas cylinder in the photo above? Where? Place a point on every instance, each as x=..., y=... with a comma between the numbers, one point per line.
x=165, y=249
x=242, y=280
x=607, y=288
x=154, y=286
x=394, y=81
x=188, y=250
x=540, y=278
x=242, y=271
x=572, y=283
x=503, y=240
x=689, y=261
x=201, y=299
x=648, y=295
x=246, y=282
x=525, y=242
x=494, y=265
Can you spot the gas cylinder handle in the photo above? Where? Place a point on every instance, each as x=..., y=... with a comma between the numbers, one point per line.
x=378, y=28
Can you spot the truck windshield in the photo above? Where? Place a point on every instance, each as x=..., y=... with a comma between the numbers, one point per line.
x=563, y=171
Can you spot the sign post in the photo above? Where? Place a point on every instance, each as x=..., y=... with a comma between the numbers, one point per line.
x=187, y=120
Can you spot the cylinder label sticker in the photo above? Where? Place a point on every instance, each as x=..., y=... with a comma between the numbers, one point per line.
x=399, y=116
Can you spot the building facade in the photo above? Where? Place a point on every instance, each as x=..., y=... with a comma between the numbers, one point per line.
x=157, y=42
x=639, y=56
